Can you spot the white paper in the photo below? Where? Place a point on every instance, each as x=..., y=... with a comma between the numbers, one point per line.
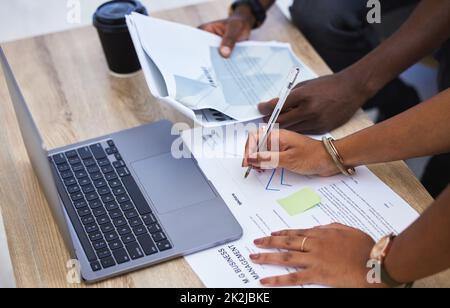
x=362, y=201
x=196, y=76
x=7, y=279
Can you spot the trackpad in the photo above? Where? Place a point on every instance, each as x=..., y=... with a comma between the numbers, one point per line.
x=171, y=183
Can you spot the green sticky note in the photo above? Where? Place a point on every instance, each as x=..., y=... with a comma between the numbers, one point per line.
x=300, y=201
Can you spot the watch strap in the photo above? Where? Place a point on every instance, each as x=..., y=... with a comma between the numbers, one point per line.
x=258, y=10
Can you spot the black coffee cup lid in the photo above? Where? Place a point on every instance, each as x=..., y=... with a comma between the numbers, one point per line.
x=113, y=13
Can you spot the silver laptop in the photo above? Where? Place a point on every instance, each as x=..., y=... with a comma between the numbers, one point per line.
x=122, y=202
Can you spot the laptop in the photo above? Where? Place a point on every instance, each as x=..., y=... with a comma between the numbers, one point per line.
x=122, y=202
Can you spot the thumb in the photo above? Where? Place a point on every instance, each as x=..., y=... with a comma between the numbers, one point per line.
x=229, y=40
x=268, y=107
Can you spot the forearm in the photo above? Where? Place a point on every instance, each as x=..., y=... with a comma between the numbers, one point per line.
x=420, y=131
x=426, y=29
x=424, y=248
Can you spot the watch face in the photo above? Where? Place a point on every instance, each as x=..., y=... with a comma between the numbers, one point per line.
x=378, y=250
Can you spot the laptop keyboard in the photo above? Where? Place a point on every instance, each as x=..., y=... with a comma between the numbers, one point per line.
x=112, y=219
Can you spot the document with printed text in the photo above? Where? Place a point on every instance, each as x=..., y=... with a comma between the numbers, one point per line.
x=278, y=200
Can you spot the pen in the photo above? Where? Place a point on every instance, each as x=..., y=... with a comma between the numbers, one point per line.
x=276, y=113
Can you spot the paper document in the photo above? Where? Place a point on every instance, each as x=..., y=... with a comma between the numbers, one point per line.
x=196, y=76
x=278, y=200
x=7, y=279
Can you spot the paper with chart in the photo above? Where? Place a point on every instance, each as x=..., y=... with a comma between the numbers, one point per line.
x=199, y=78
x=278, y=200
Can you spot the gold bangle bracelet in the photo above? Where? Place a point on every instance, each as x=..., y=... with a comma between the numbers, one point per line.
x=337, y=158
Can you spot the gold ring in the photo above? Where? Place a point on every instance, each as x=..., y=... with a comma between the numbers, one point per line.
x=303, y=244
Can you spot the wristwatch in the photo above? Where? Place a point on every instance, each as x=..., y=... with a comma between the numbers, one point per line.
x=379, y=253
x=258, y=10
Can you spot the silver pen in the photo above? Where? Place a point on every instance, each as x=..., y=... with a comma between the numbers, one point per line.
x=276, y=113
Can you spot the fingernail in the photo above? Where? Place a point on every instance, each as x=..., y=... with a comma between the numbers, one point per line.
x=259, y=241
x=264, y=281
x=255, y=256
x=276, y=233
x=225, y=51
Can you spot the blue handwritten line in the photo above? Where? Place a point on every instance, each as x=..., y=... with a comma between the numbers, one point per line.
x=282, y=179
x=270, y=181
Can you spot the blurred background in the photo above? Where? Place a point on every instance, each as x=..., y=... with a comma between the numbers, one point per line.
x=25, y=18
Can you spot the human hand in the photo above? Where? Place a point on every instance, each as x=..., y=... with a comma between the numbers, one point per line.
x=289, y=150
x=320, y=105
x=234, y=29
x=333, y=255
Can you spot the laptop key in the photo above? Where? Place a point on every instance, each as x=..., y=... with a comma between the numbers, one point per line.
x=84, y=181
x=87, y=189
x=158, y=237
x=103, y=162
x=81, y=174
x=119, y=164
x=128, y=238
x=107, y=228
x=136, y=194
x=95, y=204
x=111, y=236
x=164, y=245
x=93, y=169
x=135, y=222
x=66, y=174
x=100, y=183
x=122, y=172
x=126, y=206
x=134, y=251
x=115, y=183
x=84, y=212
x=107, y=169
x=110, y=176
x=111, y=206
x=124, y=230
x=102, y=220
x=109, y=151
x=119, y=222
x=99, y=212
x=91, y=196
x=147, y=244
x=89, y=162
x=59, y=159
x=103, y=253
x=111, y=143
x=154, y=228
x=73, y=189
x=87, y=220
x=118, y=156
x=149, y=219
x=108, y=198
x=77, y=168
x=96, y=266
x=99, y=245
x=123, y=198
x=71, y=154
x=139, y=230
x=76, y=196
x=115, y=214
x=104, y=191
x=63, y=167
x=85, y=153
x=74, y=160
x=121, y=256
x=131, y=214
x=79, y=204
x=91, y=228
x=116, y=244
x=97, y=151
x=95, y=236
x=108, y=262
x=118, y=191
x=70, y=181
x=96, y=176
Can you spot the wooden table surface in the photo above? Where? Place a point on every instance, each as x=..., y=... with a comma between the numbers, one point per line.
x=66, y=83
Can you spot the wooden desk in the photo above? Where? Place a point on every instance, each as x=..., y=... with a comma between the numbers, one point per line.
x=66, y=83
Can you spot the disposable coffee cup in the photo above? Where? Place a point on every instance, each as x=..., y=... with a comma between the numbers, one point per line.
x=109, y=19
